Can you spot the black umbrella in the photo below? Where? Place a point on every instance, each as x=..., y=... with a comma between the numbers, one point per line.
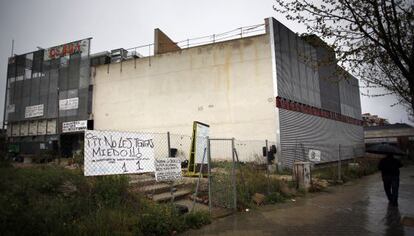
x=384, y=148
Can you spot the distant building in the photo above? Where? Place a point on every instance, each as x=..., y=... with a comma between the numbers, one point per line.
x=266, y=85
x=399, y=134
x=373, y=120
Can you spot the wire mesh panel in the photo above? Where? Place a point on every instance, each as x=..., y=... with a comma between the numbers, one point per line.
x=328, y=152
x=222, y=177
x=180, y=146
x=251, y=151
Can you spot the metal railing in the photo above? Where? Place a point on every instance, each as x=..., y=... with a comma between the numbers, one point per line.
x=241, y=32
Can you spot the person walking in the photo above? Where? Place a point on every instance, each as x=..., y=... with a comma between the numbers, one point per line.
x=390, y=170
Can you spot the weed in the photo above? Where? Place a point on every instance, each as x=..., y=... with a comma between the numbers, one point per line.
x=50, y=200
x=274, y=197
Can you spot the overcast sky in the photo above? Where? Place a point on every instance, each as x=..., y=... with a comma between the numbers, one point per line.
x=121, y=23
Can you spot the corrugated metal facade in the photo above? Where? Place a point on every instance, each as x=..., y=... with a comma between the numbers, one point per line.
x=300, y=132
x=298, y=78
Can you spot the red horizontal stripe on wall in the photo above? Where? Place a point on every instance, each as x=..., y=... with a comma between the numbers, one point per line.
x=290, y=105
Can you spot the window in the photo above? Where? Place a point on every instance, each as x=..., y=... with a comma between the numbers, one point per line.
x=27, y=73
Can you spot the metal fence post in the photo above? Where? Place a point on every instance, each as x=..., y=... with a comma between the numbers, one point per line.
x=169, y=144
x=233, y=173
x=199, y=178
x=169, y=155
x=209, y=173
x=267, y=166
x=339, y=163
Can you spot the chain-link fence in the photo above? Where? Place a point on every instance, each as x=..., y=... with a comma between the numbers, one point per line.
x=321, y=155
x=294, y=152
x=223, y=173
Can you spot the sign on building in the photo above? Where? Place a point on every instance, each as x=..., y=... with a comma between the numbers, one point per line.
x=42, y=127
x=68, y=104
x=167, y=169
x=314, y=155
x=33, y=111
x=10, y=108
x=51, y=126
x=68, y=49
x=24, y=128
x=110, y=153
x=33, y=127
x=15, y=129
x=74, y=126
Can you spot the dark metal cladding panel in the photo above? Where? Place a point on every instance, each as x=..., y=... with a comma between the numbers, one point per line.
x=35, y=91
x=44, y=85
x=18, y=89
x=350, y=97
x=74, y=71
x=63, y=78
x=328, y=79
x=37, y=61
x=84, y=73
x=329, y=90
x=52, y=95
x=297, y=77
x=11, y=70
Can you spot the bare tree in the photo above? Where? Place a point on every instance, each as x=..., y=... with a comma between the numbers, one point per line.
x=374, y=39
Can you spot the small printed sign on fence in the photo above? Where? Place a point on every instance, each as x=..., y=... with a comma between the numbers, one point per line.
x=314, y=155
x=167, y=169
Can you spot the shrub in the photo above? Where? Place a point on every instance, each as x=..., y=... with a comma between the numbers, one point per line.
x=33, y=202
x=251, y=181
x=160, y=219
x=110, y=190
x=108, y=221
x=195, y=220
x=274, y=197
x=51, y=200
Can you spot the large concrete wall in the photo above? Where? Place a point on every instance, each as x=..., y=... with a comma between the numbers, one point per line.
x=227, y=85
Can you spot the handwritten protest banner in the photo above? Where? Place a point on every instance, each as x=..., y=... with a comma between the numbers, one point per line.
x=167, y=169
x=110, y=153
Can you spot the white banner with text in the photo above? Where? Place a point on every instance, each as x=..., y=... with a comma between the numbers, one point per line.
x=110, y=153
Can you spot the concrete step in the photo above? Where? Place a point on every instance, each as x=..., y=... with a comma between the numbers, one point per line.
x=155, y=188
x=163, y=197
x=142, y=181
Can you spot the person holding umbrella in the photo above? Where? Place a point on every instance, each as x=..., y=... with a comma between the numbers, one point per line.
x=390, y=170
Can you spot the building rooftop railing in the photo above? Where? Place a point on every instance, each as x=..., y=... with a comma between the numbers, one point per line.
x=241, y=32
